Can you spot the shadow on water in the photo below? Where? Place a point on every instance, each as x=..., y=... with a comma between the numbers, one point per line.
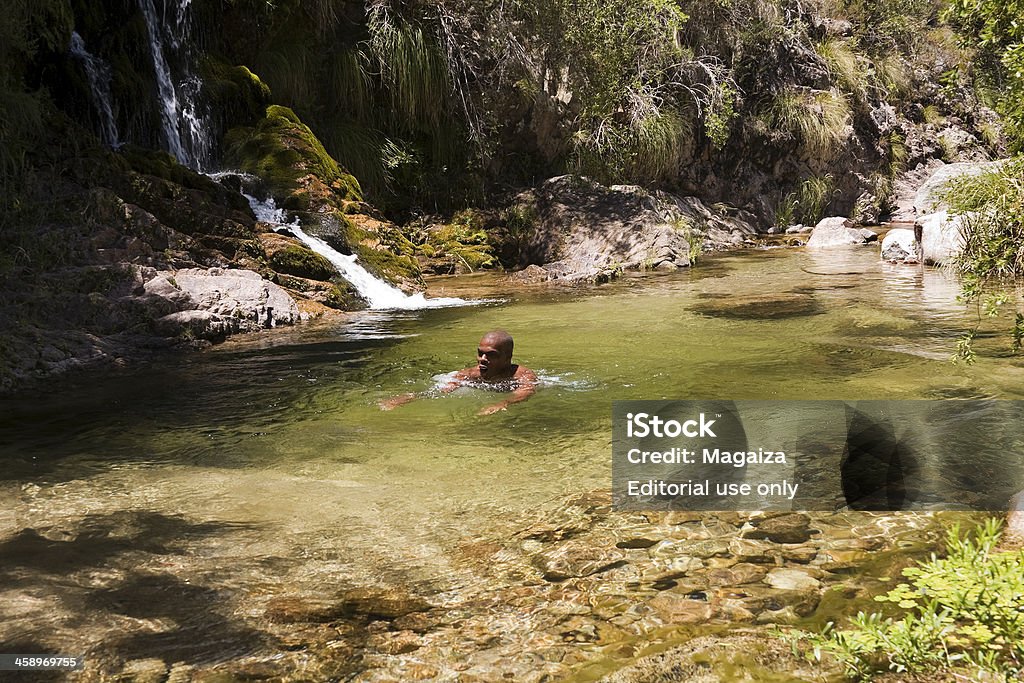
x=186, y=620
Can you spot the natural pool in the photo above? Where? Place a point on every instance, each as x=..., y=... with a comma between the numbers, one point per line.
x=250, y=512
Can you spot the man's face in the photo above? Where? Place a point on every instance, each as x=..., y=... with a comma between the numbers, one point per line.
x=492, y=359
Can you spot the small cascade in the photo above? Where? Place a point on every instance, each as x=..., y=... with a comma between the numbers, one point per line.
x=99, y=76
x=182, y=117
x=379, y=294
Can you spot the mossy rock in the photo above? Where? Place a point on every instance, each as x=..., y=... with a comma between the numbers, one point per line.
x=235, y=91
x=296, y=260
x=285, y=153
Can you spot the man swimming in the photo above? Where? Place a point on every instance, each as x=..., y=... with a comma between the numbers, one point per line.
x=494, y=370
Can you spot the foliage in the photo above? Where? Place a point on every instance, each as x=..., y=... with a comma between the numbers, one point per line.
x=995, y=29
x=962, y=611
x=808, y=203
x=990, y=207
x=817, y=120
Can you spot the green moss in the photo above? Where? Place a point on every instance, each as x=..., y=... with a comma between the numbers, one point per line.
x=282, y=150
x=296, y=260
x=235, y=91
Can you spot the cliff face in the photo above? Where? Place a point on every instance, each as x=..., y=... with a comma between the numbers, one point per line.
x=787, y=111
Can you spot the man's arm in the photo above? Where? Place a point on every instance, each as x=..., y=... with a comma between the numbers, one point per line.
x=400, y=400
x=527, y=387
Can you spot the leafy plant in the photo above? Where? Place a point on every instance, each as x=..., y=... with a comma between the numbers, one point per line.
x=961, y=611
x=990, y=207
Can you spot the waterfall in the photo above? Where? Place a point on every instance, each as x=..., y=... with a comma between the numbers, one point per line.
x=379, y=294
x=98, y=73
x=182, y=117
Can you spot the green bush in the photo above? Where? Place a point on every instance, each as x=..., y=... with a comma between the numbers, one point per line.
x=962, y=612
x=991, y=210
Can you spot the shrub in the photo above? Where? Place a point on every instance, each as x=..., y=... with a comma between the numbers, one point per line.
x=991, y=210
x=962, y=611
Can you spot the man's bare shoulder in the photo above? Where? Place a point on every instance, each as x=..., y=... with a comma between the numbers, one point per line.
x=467, y=374
x=525, y=374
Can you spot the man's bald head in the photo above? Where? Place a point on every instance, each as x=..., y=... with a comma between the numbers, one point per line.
x=500, y=339
x=494, y=356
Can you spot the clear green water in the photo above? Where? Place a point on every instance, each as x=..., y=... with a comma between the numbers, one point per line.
x=264, y=466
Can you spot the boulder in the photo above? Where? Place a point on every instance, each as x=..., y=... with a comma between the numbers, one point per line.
x=941, y=238
x=838, y=232
x=900, y=246
x=929, y=195
x=211, y=303
x=582, y=231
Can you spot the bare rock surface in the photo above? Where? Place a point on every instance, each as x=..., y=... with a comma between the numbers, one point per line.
x=941, y=238
x=211, y=303
x=900, y=246
x=837, y=231
x=586, y=232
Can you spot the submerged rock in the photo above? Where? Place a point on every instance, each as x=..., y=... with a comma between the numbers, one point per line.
x=760, y=307
x=837, y=232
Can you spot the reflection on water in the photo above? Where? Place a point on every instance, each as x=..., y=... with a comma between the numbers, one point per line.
x=264, y=467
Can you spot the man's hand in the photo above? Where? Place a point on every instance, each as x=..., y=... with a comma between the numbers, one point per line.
x=490, y=410
x=395, y=401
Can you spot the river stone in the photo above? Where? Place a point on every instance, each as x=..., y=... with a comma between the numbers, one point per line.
x=900, y=246
x=766, y=306
x=791, y=580
x=737, y=575
x=150, y=670
x=574, y=559
x=381, y=603
x=790, y=528
x=675, y=608
x=838, y=231
x=940, y=237
x=750, y=550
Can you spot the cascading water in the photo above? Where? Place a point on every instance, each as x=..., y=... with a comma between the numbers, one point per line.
x=182, y=116
x=99, y=75
x=379, y=294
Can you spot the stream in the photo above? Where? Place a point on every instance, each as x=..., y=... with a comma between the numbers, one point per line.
x=249, y=512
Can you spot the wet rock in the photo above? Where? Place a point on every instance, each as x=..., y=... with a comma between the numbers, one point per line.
x=151, y=670
x=677, y=608
x=718, y=659
x=791, y=580
x=398, y=643
x=737, y=575
x=575, y=559
x=635, y=543
x=382, y=603
x=941, y=238
x=797, y=229
x=767, y=306
x=762, y=598
x=297, y=609
x=750, y=550
x=838, y=231
x=900, y=246
x=791, y=528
